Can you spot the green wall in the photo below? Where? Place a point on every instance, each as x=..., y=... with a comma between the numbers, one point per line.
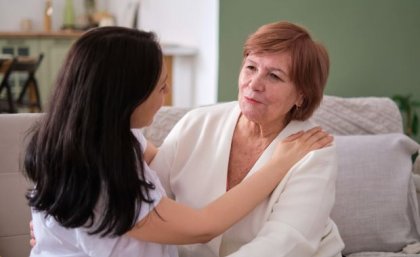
x=374, y=45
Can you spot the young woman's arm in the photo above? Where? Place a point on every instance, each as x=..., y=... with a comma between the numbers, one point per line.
x=150, y=152
x=174, y=223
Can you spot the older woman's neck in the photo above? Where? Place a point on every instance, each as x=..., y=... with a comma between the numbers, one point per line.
x=268, y=130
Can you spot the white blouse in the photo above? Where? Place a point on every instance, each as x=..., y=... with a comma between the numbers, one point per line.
x=293, y=221
x=52, y=239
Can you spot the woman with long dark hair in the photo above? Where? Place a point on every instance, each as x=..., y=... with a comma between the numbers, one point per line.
x=94, y=193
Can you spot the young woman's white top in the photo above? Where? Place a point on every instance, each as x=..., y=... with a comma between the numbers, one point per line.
x=52, y=239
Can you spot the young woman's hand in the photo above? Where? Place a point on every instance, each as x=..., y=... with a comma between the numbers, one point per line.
x=296, y=146
x=32, y=241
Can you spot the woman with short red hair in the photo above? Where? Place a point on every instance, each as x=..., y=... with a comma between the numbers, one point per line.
x=281, y=83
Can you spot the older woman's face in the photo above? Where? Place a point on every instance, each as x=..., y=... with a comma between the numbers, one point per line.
x=266, y=93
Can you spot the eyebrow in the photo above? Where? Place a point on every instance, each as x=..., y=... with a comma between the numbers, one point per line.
x=270, y=68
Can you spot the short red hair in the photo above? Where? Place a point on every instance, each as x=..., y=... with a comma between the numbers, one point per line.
x=309, y=61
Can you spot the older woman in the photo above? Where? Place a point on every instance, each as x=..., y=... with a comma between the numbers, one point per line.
x=281, y=83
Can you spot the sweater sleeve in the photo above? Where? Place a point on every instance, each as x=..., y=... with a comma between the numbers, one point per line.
x=140, y=137
x=165, y=158
x=300, y=216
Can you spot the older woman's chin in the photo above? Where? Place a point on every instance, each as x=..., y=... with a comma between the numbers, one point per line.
x=251, y=113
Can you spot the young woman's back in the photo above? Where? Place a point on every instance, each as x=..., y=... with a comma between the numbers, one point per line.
x=55, y=240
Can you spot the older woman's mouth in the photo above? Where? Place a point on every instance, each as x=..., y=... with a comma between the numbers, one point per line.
x=252, y=100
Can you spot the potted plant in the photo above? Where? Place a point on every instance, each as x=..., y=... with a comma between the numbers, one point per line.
x=408, y=108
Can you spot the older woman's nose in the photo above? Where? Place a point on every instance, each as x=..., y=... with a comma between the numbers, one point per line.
x=256, y=83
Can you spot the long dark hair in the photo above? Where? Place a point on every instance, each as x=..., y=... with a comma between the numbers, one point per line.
x=82, y=152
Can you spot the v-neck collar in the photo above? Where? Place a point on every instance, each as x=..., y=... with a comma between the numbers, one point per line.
x=266, y=154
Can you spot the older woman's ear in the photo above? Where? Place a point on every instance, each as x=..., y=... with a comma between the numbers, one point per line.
x=299, y=101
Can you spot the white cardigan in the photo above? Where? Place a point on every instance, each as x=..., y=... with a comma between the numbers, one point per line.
x=294, y=221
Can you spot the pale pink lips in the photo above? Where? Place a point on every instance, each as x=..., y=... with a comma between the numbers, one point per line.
x=252, y=100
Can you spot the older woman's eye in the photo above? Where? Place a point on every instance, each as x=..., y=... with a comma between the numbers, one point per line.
x=250, y=67
x=275, y=77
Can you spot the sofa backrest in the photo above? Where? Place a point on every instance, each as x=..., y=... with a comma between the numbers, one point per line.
x=337, y=115
x=14, y=211
x=358, y=115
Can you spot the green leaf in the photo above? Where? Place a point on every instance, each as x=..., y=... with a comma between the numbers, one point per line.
x=398, y=98
x=415, y=125
x=415, y=103
x=402, y=102
x=408, y=108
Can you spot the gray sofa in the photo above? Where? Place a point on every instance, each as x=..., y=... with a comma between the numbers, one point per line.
x=376, y=206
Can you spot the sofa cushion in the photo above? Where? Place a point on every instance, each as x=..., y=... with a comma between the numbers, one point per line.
x=165, y=119
x=358, y=115
x=376, y=206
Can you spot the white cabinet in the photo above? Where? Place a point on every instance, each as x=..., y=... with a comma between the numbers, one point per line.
x=19, y=46
x=55, y=50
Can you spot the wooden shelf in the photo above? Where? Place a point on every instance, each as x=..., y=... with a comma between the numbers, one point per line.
x=41, y=34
